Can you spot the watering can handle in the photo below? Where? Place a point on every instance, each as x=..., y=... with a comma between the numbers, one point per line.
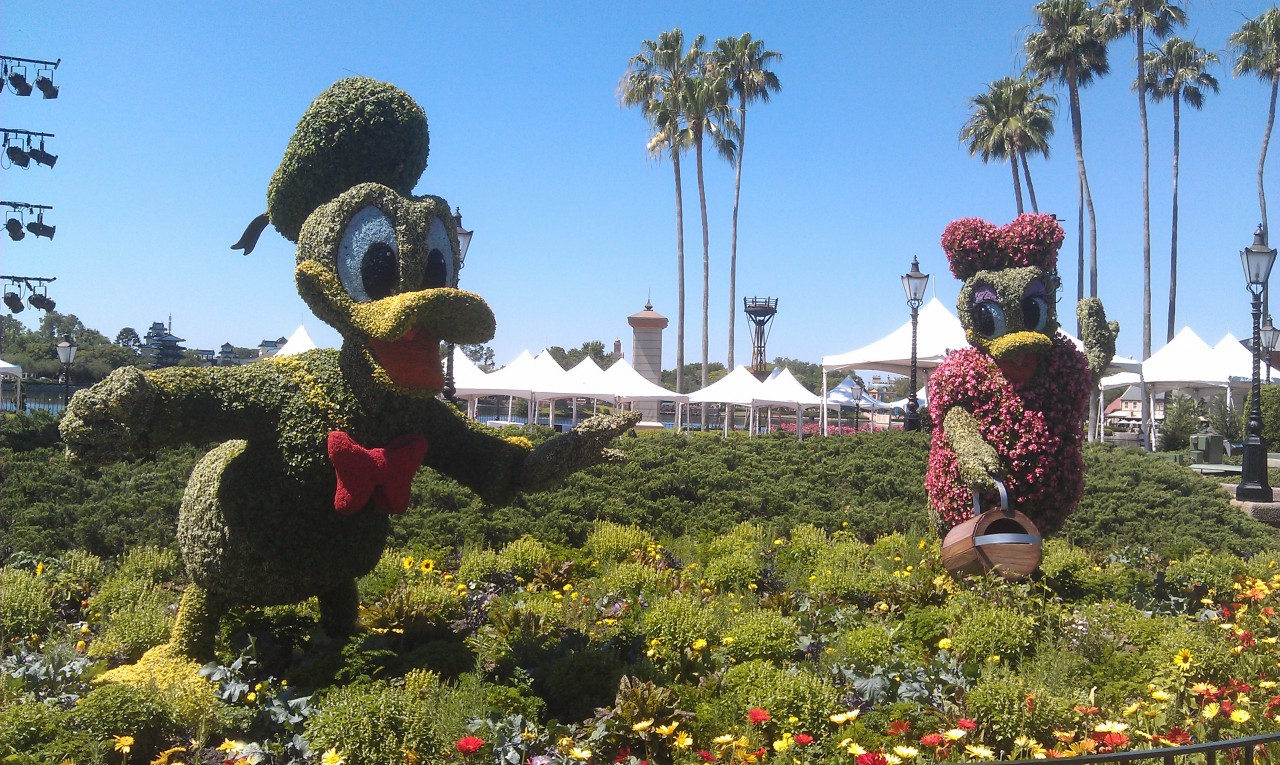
x=1004, y=499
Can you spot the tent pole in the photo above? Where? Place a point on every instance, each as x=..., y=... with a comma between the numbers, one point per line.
x=822, y=418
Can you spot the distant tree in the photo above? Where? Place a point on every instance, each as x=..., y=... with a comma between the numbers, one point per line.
x=571, y=358
x=1178, y=70
x=1013, y=117
x=746, y=63
x=480, y=355
x=1138, y=17
x=655, y=82
x=806, y=373
x=1069, y=48
x=1257, y=48
x=129, y=338
x=715, y=372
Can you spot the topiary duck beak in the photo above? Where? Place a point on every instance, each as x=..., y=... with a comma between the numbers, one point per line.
x=1018, y=354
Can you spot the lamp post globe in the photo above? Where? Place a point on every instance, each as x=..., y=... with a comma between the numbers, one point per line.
x=66, y=355
x=464, y=242
x=914, y=284
x=1257, y=260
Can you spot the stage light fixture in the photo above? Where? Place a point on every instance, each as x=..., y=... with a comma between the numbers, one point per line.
x=41, y=302
x=18, y=81
x=14, y=227
x=39, y=228
x=41, y=156
x=45, y=85
x=18, y=156
x=14, y=301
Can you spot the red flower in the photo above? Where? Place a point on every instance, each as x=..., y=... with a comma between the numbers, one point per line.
x=469, y=744
x=1112, y=740
x=756, y=715
x=760, y=753
x=898, y=728
x=931, y=739
x=872, y=758
x=1176, y=737
x=802, y=739
x=706, y=756
x=623, y=754
x=966, y=724
x=1087, y=710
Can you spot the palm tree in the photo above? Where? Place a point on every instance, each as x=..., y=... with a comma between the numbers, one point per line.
x=655, y=81
x=1177, y=70
x=707, y=113
x=1069, y=49
x=1011, y=118
x=746, y=63
x=1137, y=17
x=1257, y=49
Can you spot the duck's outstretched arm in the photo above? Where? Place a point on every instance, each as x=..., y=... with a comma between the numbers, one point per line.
x=977, y=461
x=131, y=412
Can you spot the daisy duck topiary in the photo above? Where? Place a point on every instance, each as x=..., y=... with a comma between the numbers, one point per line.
x=1011, y=407
x=315, y=450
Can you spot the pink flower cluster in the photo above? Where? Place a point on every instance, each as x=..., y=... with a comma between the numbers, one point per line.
x=1035, y=428
x=973, y=244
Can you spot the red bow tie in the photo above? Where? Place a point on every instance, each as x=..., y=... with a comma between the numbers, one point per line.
x=383, y=475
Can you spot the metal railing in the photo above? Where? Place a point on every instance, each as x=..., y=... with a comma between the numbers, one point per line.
x=1174, y=755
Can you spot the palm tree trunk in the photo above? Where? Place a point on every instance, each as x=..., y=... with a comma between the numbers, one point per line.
x=706, y=268
x=1079, y=252
x=1173, y=246
x=1017, y=186
x=1146, y=200
x=733, y=240
x=675, y=162
x=1262, y=197
x=1073, y=87
x=1031, y=190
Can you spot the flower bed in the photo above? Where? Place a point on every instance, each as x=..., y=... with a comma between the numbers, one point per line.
x=805, y=647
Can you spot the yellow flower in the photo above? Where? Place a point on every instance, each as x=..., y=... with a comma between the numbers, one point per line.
x=1159, y=695
x=1210, y=711
x=332, y=757
x=1132, y=709
x=407, y=561
x=722, y=740
x=699, y=644
x=411, y=757
x=854, y=749
x=783, y=744
x=123, y=743
x=228, y=745
x=427, y=566
x=844, y=717
x=980, y=752
x=944, y=644
x=1182, y=659
x=578, y=753
x=892, y=759
x=251, y=697
x=682, y=740
x=1111, y=726
x=955, y=734
x=40, y=568
x=906, y=752
x=1267, y=684
x=993, y=658
x=642, y=725
x=163, y=757
x=1239, y=716
x=727, y=641
x=668, y=729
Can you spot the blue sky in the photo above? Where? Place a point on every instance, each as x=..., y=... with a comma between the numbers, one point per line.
x=173, y=116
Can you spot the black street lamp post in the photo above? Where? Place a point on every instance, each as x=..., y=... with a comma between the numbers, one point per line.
x=66, y=355
x=464, y=241
x=914, y=283
x=1270, y=339
x=1257, y=260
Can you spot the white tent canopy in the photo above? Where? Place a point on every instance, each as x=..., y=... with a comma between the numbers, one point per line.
x=849, y=393
x=783, y=389
x=1236, y=361
x=298, y=342
x=938, y=332
x=739, y=387
x=12, y=370
x=629, y=385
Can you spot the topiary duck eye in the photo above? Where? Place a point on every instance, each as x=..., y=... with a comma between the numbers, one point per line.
x=1035, y=313
x=988, y=319
x=439, y=267
x=368, y=256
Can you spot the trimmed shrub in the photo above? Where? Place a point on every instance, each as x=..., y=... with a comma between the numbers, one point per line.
x=983, y=632
x=117, y=709
x=613, y=542
x=761, y=635
x=25, y=606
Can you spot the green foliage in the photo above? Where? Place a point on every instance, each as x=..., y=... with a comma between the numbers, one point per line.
x=678, y=620
x=136, y=626
x=632, y=578
x=761, y=634
x=139, y=572
x=376, y=722
x=1010, y=707
x=1181, y=421
x=33, y=734
x=24, y=431
x=25, y=605
x=866, y=647
x=118, y=709
x=989, y=630
x=734, y=571
x=612, y=542
x=523, y=557
x=783, y=693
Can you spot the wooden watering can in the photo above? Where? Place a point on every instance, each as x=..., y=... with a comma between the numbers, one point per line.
x=1004, y=541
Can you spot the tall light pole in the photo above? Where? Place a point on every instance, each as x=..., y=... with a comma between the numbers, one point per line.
x=1257, y=260
x=464, y=241
x=66, y=355
x=1270, y=339
x=914, y=283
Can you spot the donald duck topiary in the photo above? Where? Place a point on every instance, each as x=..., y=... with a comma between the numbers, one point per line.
x=1011, y=407
x=315, y=450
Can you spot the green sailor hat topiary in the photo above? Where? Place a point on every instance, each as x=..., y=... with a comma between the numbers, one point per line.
x=359, y=130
